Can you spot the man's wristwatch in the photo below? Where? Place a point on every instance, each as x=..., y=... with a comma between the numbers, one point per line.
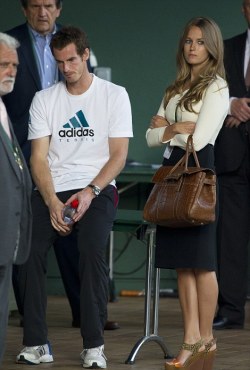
x=95, y=189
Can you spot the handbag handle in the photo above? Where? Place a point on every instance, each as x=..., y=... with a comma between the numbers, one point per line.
x=190, y=149
x=184, y=160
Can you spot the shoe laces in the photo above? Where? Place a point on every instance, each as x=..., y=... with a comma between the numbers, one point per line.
x=97, y=351
x=37, y=350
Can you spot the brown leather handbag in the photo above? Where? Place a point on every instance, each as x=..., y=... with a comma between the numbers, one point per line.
x=182, y=196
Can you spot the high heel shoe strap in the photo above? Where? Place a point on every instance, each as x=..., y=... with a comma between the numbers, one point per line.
x=210, y=344
x=194, y=348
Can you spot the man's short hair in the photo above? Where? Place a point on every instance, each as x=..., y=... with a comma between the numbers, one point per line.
x=25, y=3
x=70, y=35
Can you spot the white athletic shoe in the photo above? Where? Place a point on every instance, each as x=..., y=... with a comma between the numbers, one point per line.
x=35, y=355
x=94, y=358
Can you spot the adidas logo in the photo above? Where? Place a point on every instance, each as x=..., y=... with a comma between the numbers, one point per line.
x=41, y=350
x=78, y=120
x=76, y=127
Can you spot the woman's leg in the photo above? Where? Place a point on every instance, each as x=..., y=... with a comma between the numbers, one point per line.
x=207, y=291
x=189, y=302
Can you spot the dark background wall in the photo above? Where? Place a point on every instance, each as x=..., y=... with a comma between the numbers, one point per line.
x=138, y=40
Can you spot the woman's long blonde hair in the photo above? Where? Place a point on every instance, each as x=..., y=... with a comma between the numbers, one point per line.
x=214, y=67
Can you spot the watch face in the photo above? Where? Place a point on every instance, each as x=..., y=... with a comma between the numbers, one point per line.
x=95, y=189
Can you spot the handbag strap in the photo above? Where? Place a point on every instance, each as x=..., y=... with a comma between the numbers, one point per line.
x=184, y=160
x=190, y=149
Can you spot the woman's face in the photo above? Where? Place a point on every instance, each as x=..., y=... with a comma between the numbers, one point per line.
x=195, y=52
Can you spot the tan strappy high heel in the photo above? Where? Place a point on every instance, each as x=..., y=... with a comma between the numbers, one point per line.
x=193, y=362
x=209, y=355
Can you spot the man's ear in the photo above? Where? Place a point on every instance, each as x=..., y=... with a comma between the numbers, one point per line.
x=86, y=54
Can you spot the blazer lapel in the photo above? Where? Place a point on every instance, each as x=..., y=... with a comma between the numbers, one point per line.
x=240, y=56
x=28, y=55
x=9, y=151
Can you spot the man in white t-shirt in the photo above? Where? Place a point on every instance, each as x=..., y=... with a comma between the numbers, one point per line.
x=80, y=132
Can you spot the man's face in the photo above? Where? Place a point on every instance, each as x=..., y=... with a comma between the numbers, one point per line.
x=41, y=15
x=246, y=11
x=8, y=68
x=70, y=64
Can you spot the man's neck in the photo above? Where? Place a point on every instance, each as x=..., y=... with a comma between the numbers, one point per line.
x=81, y=86
x=35, y=32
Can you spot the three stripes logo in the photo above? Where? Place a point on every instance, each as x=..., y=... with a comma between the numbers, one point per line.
x=76, y=127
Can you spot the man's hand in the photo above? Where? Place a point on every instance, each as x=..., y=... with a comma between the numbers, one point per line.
x=240, y=109
x=84, y=198
x=232, y=122
x=56, y=210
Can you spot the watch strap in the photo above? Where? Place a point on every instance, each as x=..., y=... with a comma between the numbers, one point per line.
x=95, y=189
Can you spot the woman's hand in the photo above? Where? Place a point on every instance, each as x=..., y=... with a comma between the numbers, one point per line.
x=186, y=127
x=158, y=121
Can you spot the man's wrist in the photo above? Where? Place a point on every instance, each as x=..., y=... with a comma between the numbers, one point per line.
x=95, y=189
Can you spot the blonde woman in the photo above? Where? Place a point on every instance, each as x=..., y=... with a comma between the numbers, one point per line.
x=196, y=103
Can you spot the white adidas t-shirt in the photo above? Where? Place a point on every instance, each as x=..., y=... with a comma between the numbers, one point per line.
x=80, y=126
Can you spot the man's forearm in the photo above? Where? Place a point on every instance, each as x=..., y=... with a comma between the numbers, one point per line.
x=109, y=172
x=118, y=148
x=43, y=180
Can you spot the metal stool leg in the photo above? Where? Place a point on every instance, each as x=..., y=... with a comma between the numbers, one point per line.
x=154, y=336
x=147, y=310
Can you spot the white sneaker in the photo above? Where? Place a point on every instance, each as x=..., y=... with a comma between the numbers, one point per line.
x=94, y=358
x=35, y=355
